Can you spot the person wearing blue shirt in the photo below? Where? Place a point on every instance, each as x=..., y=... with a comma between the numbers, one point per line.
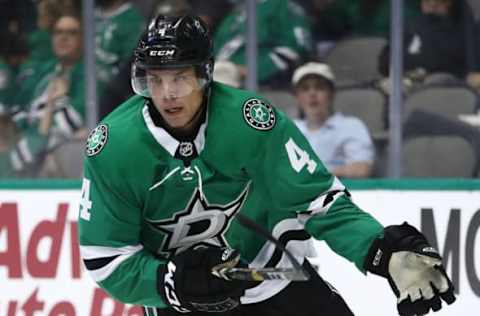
x=342, y=142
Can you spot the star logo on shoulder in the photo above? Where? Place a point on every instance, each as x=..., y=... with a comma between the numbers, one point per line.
x=259, y=114
x=96, y=140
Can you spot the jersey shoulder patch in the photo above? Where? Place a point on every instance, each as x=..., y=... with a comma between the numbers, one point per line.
x=259, y=114
x=96, y=140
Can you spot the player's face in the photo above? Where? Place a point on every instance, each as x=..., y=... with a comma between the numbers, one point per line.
x=314, y=96
x=176, y=93
x=67, y=39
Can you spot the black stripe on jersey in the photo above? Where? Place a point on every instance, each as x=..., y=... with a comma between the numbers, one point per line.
x=330, y=196
x=69, y=120
x=97, y=263
x=284, y=239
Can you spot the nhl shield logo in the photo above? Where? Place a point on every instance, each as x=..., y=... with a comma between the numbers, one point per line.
x=96, y=140
x=185, y=149
x=259, y=114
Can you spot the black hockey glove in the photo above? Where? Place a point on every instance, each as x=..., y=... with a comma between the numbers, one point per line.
x=187, y=284
x=413, y=269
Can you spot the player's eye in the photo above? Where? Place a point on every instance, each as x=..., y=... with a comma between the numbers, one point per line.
x=154, y=80
x=181, y=78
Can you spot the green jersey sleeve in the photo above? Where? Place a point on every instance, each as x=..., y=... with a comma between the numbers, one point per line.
x=109, y=233
x=296, y=181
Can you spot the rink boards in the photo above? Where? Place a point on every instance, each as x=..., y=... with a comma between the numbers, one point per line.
x=39, y=257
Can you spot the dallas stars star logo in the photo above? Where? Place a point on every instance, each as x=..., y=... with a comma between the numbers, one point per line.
x=199, y=224
x=96, y=140
x=258, y=114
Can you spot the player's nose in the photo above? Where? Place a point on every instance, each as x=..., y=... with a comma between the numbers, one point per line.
x=169, y=91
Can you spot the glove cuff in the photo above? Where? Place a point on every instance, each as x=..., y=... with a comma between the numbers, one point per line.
x=161, y=271
x=166, y=287
x=378, y=257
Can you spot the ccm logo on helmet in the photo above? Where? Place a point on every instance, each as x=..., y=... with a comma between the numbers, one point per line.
x=163, y=52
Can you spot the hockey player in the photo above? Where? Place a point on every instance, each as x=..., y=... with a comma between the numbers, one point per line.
x=168, y=171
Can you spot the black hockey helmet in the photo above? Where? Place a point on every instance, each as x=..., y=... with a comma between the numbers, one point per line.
x=173, y=42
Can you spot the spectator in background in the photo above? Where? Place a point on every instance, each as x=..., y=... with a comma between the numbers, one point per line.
x=56, y=94
x=30, y=52
x=342, y=143
x=40, y=40
x=118, y=27
x=443, y=39
x=283, y=37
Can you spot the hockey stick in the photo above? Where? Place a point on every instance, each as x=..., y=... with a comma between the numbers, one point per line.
x=297, y=273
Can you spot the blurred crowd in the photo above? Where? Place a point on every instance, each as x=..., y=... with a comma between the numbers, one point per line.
x=325, y=63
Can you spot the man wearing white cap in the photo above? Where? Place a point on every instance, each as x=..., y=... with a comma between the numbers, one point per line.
x=342, y=143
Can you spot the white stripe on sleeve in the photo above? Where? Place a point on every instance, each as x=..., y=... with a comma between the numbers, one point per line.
x=97, y=252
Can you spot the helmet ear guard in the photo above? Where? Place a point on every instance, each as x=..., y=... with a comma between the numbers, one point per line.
x=206, y=70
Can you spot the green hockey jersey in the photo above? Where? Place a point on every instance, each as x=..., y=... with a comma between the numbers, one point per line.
x=141, y=204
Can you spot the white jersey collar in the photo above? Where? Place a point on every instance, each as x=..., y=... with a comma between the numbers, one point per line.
x=166, y=140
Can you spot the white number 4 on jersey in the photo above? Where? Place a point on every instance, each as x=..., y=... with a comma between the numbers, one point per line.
x=299, y=158
x=85, y=203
